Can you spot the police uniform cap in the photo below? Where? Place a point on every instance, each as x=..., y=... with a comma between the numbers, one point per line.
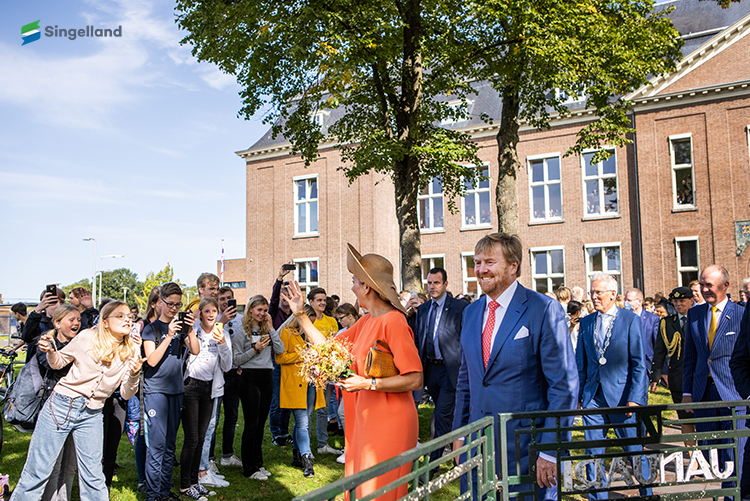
x=681, y=293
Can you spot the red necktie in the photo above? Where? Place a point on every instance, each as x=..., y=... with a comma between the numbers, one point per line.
x=489, y=329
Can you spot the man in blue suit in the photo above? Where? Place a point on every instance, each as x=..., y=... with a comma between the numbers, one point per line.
x=710, y=334
x=611, y=369
x=438, y=337
x=517, y=356
x=649, y=326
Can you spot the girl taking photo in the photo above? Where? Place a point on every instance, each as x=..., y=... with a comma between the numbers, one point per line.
x=104, y=358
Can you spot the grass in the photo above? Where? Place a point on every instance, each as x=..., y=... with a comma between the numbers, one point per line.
x=285, y=483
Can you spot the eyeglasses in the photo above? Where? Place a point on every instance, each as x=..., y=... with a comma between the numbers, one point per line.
x=342, y=317
x=121, y=317
x=601, y=293
x=172, y=305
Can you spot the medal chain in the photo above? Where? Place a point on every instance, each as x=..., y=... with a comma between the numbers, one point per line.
x=607, y=337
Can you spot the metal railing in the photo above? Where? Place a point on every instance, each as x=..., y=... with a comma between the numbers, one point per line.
x=479, y=446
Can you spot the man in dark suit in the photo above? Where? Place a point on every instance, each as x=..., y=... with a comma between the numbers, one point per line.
x=611, y=369
x=710, y=334
x=649, y=324
x=517, y=357
x=740, y=366
x=438, y=338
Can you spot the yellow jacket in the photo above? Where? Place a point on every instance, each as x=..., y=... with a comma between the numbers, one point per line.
x=293, y=390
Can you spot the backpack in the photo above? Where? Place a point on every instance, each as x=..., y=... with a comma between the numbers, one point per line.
x=27, y=396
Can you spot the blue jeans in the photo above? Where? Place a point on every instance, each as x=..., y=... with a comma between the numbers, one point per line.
x=162, y=419
x=301, y=432
x=279, y=417
x=205, y=455
x=59, y=417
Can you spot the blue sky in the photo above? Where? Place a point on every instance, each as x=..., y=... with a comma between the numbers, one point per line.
x=127, y=140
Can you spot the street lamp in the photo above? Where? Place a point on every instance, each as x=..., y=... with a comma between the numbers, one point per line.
x=125, y=294
x=101, y=261
x=93, y=268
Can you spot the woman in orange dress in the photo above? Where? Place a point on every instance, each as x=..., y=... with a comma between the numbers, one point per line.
x=381, y=419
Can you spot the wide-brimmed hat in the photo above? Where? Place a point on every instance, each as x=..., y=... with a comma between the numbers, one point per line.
x=377, y=272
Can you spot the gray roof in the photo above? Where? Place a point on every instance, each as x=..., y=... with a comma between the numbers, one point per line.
x=698, y=21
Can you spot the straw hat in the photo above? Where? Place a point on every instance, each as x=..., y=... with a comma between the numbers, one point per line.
x=377, y=272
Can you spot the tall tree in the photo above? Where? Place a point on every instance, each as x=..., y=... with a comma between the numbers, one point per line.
x=384, y=63
x=153, y=280
x=556, y=49
x=114, y=281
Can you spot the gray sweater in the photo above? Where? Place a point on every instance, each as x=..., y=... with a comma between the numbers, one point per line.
x=243, y=355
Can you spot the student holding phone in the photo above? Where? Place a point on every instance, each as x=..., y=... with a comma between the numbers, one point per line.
x=251, y=348
x=163, y=387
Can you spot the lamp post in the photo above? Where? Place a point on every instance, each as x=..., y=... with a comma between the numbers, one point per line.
x=101, y=261
x=93, y=269
x=125, y=295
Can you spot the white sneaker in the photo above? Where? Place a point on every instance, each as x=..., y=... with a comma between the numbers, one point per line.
x=258, y=476
x=265, y=472
x=212, y=467
x=327, y=449
x=341, y=459
x=210, y=480
x=231, y=461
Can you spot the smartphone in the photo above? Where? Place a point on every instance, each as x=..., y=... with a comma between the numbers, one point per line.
x=290, y=267
x=52, y=289
x=232, y=303
x=182, y=317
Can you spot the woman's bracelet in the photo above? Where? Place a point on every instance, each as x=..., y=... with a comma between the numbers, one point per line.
x=299, y=313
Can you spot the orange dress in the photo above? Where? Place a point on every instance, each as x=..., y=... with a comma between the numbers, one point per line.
x=380, y=425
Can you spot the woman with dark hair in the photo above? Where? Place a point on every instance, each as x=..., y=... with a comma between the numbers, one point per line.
x=374, y=404
x=574, y=313
x=251, y=352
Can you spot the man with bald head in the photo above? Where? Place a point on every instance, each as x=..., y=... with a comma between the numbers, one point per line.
x=710, y=334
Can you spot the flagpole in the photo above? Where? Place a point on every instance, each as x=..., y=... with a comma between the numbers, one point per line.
x=222, y=261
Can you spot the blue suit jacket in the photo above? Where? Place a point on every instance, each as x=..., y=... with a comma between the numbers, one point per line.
x=699, y=363
x=623, y=378
x=531, y=366
x=740, y=362
x=650, y=329
x=449, y=334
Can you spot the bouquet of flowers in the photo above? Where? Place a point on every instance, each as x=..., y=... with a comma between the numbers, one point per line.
x=326, y=362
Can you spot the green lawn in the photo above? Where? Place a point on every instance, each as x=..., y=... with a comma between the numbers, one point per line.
x=286, y=482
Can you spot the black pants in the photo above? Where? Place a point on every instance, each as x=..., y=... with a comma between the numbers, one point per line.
x=444, y=394
x=113, y=415
x=255, y=395
x=231, y=402
x=197, y=407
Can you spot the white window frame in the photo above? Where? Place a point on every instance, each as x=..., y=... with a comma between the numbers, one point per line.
x=319, y=117
x=474, y=192
x=430, y=197
x=307, y=201
x=675, y=168
x=546, y=184
x=431, y=258
x=455, y=104
x=600, y=178
x=680, y=268
x=465, y=278
x=549, y=276
x=589, y=274
x=306, y=286
x=569, y=99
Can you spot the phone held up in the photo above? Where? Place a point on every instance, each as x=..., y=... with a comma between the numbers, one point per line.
x=289, y=267
x=182, y=317
x=232, y=303
x=52, y=289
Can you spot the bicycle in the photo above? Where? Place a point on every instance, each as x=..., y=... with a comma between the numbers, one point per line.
x=7, y=380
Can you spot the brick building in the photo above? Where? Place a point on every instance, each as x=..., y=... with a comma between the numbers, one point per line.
x=652, y=215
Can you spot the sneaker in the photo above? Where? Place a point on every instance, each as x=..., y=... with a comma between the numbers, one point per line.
x=308, y=470
x=281, y=440
x=231, y=461
x=341, y=459
x=204, y=491
x=192, y=493
x=210, y=480
x=258, y=476
x=296, y=459
x=212, y=467
x=265, y=472
x=327, y=449
x=141, y=488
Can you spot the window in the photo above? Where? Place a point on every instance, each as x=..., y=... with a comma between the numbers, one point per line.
x=681, y=153
x=475, y=205
x=306, y=206
x=319, y=118
x=458, y=107
x=306, y=274
x=547, y=268
x=430, y=262
x=604, y=258
x=234, y=285
x=469, y=279
x=545, y=191
x=600, y=185
x=688, y=259
x=430, y=206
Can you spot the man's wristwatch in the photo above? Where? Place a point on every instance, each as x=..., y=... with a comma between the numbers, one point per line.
x=373, y=384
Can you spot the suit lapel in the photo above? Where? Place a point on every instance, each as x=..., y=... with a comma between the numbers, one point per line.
x=701, y=332
x=443, y=318
x=722, y=325
x=474, y=325
x=516, y=309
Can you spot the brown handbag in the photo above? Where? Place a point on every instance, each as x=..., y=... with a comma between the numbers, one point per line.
x=379, y=363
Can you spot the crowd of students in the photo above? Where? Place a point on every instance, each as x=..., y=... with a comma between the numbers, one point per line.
x=196, y=358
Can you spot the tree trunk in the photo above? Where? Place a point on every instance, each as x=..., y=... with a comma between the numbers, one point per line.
x=406, y=181
x=506, y=191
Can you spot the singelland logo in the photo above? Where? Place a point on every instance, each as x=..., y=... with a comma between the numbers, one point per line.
x=31, y=32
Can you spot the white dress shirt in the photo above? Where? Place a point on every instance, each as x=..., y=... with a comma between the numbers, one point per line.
x=440, y=305
x=504, y=302
x=721, y=307
x=603, y=321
